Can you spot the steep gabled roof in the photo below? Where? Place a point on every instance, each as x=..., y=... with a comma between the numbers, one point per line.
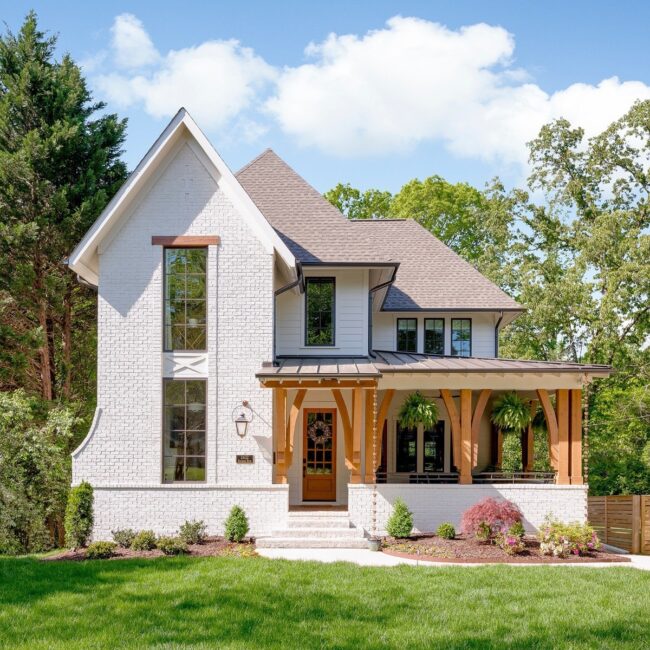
x=430, y=276
x=84, y=259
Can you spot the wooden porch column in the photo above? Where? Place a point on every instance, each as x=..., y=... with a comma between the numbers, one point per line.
x=357, y=413
x=551, y=426
x=466, y=436
x=575, y=436
x=564, y=451
x=279, y=433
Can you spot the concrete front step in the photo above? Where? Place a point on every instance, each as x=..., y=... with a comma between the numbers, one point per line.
x=339, y=523
x=323, y=542
x=315, y=533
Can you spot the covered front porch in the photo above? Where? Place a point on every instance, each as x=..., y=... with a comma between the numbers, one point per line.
x=336, y=423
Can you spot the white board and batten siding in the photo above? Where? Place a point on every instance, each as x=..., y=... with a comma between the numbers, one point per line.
x=351, y=317
x=384, y=330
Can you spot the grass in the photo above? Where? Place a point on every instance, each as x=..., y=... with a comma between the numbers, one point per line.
x=259, y=603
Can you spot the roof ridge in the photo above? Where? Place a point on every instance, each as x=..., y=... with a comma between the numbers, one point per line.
x=254, y=160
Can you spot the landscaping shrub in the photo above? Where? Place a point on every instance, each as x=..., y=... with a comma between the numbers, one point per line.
x=100, y=550
x=559, y=539
x=79, y=515
x=193, y=532
x=488, y=517
x=517, y=529
x=123, y=537
x=446, y=531
x=172, y=545
x=400, y=523
x=236, y=525
x=511, y=544
x=145, y=540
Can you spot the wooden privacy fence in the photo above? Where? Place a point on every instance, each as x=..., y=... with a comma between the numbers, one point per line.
x=622, y=521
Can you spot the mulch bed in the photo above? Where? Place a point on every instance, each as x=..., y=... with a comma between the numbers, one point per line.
x=435, y=549
x=211, y=547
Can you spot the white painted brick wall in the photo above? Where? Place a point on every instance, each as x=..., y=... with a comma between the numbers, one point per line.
x=434, y=504
x=125, y=448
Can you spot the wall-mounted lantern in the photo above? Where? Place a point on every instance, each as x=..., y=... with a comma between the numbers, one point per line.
x=242, y=415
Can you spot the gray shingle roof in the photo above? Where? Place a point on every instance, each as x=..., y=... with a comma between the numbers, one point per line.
x=396, y=362
x=430, y=276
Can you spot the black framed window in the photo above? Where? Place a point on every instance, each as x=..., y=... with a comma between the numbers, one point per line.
x=319, y=311
x=434, y=335
x=434, y=448
x=185, y=298
x=407, y=449
x=184, y=426
x=461, y=337
x=407, y=334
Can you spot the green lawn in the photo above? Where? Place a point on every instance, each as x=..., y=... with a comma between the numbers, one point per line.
x=258, y=603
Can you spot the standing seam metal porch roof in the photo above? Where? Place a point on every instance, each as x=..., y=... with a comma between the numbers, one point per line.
x=402, y=362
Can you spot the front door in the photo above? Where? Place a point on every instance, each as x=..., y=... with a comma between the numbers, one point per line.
x=319, y=455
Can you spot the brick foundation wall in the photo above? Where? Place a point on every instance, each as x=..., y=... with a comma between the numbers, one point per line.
x=434, y=504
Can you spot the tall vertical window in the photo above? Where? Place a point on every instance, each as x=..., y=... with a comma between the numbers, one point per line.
x=406, y=458
x=185, y=298
x=407, y=334
x=461, y=337
x=434, y=335
x=319, y=311
x=434, y=448
x=184, y=431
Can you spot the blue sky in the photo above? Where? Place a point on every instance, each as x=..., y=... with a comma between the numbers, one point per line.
x=386, y=91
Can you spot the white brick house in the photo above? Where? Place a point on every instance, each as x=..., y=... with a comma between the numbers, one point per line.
x=248, y=296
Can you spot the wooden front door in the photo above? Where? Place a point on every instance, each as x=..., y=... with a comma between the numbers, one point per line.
x=319, y=455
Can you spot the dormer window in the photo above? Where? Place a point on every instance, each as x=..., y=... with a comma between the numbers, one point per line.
x=185, y=299
x=319, y=311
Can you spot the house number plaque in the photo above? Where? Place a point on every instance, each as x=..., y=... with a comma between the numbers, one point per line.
x=245, y=459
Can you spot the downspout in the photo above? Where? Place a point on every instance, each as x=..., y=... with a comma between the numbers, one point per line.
x=276, y=293
x=371, y=291
x=496, y=336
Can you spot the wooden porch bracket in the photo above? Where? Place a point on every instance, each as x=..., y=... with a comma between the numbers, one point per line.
x=551, y=426
x=347, y=426
x=481, y=403
x=382, y=414
x=291, y=424
x=279, y=411
x=454, y=420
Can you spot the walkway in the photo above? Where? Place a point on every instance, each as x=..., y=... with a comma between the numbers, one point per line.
x=364, y=557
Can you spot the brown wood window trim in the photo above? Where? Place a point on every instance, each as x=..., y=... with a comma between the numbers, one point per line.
x=186, y=241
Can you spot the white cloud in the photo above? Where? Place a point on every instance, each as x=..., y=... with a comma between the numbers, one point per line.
x=131, y=44
x=417, y=81
x=215, y=80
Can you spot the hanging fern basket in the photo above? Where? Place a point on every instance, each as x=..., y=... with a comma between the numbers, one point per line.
x=511, y=413
x=418, y=409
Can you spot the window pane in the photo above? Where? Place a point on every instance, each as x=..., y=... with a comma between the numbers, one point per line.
x=407, y=334
x=434, y=336
x=184, y=430
x=407, y=452
x=185, y=298
x=434, y=448
x=320, y=311
x=461, y=337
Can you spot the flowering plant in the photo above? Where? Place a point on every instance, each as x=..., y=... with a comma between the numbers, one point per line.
x=560, y=540
x=511, y=544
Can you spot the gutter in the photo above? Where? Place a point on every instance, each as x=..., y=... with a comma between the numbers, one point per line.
x=371, y=291
x=298, y=281
x=496, y=336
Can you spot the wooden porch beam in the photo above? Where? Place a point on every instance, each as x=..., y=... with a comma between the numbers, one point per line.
x=315, y=383
x=551, y=426
x=294, y=412
x=382, y=414
x=481, y=403
x=279, y=425
x=575, y=437
x=454, y=421
x=564, y=450
x=347, y=426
